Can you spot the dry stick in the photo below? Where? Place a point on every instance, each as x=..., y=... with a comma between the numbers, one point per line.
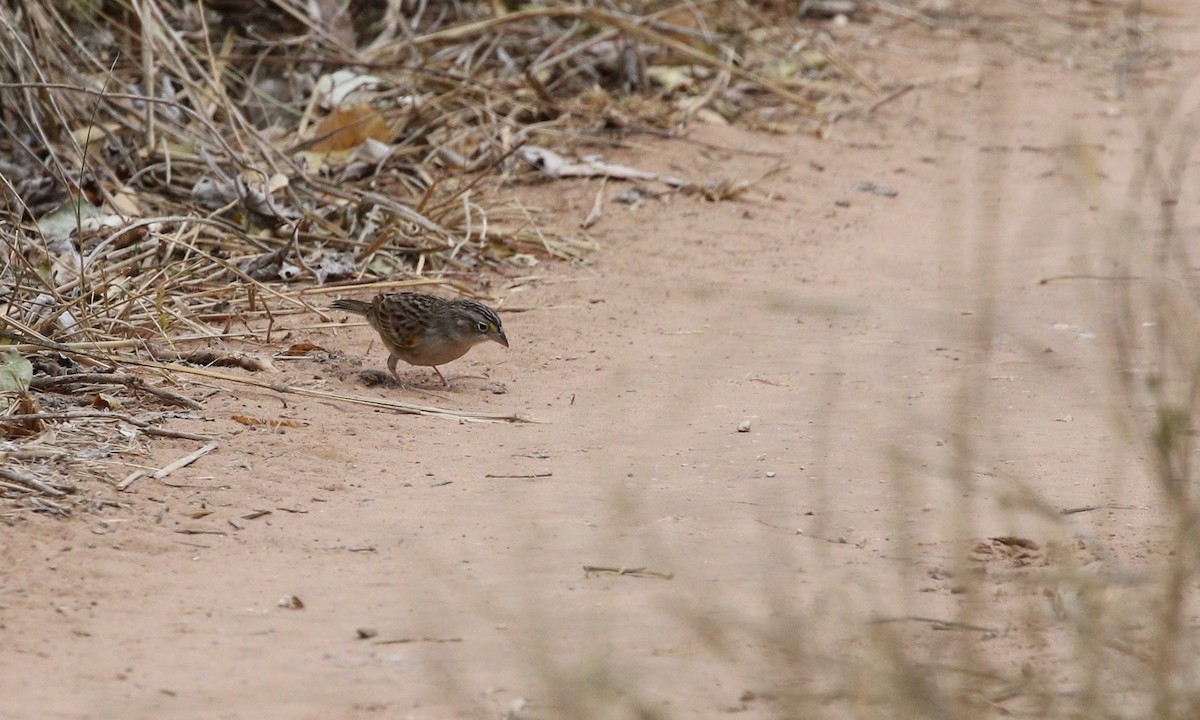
x=14, y=486
x=37, y=503
x=400, y=209
x=130, y=381
x=938, y=624
x=77, y=346
x=835, y=57
x=80, y=348
x=36, y=453
x=1090, y=508
x=183, y=462
x=894, y=94
x=396, y=406
x=130, y=479
x=144, y=426
x=1106, y=278
x=635, y=572
x=209, y=358
x=402, y=641
x=336, y=287
x=332, y=288
x=26, y=479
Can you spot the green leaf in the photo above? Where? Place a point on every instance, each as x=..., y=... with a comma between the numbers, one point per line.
x=15, y=373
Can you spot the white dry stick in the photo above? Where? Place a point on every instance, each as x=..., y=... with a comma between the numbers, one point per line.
x=130, y=479
x=597, y=210
x=558, y=166
x=183, y=462
x=29, y=480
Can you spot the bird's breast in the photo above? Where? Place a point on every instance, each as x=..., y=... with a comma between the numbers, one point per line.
x=434, y=351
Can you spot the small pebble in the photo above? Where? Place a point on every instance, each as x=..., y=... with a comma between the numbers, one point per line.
x=770, y=473
x=744, y=426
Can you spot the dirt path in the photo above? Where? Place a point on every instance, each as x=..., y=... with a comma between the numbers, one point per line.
x=885, y=351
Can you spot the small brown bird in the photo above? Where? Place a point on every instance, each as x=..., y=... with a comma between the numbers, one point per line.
x=425, y=329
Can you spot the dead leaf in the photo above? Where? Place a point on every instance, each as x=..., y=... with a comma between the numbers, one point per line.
x=347, y=128
x=25, y=405
x=273, y=424
x=301, y=349
x=335, y=89
x=102, y=401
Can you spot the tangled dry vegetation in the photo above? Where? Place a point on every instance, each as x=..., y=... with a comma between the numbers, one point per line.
x=180, y=176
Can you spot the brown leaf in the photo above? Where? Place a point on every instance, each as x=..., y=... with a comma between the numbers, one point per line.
x=25, y=405
x=275, y=423
x=101, y=401
x=303, y=348
x=347, y=128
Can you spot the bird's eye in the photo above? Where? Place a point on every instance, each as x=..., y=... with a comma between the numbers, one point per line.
x=482, y=327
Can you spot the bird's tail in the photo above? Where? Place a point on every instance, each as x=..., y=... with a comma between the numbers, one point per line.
x=358, y=307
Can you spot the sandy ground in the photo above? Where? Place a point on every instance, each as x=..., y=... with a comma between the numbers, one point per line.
x=909, y=382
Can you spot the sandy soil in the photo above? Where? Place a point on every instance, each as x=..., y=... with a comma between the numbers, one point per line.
x=905, y=373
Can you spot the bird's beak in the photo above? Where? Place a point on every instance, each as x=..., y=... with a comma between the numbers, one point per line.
x=500, y=337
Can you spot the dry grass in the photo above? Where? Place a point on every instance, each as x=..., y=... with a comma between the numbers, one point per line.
x=175, y=173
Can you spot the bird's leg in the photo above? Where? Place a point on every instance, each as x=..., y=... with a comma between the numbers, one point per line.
x=392, y=366
x=443, y=377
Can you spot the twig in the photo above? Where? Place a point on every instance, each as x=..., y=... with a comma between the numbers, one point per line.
x=130, y=479
x=41, y=504
x=28, y=480
x=1108, y=278
x=177, y=434
x=402, y=641
x=144, y=426
x=14, y=486
x=894, y=94
x=393, y=405
x=1089, y=508
x=938, y=624
x=182, y=462
x=130, y=381
x=635, y=572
